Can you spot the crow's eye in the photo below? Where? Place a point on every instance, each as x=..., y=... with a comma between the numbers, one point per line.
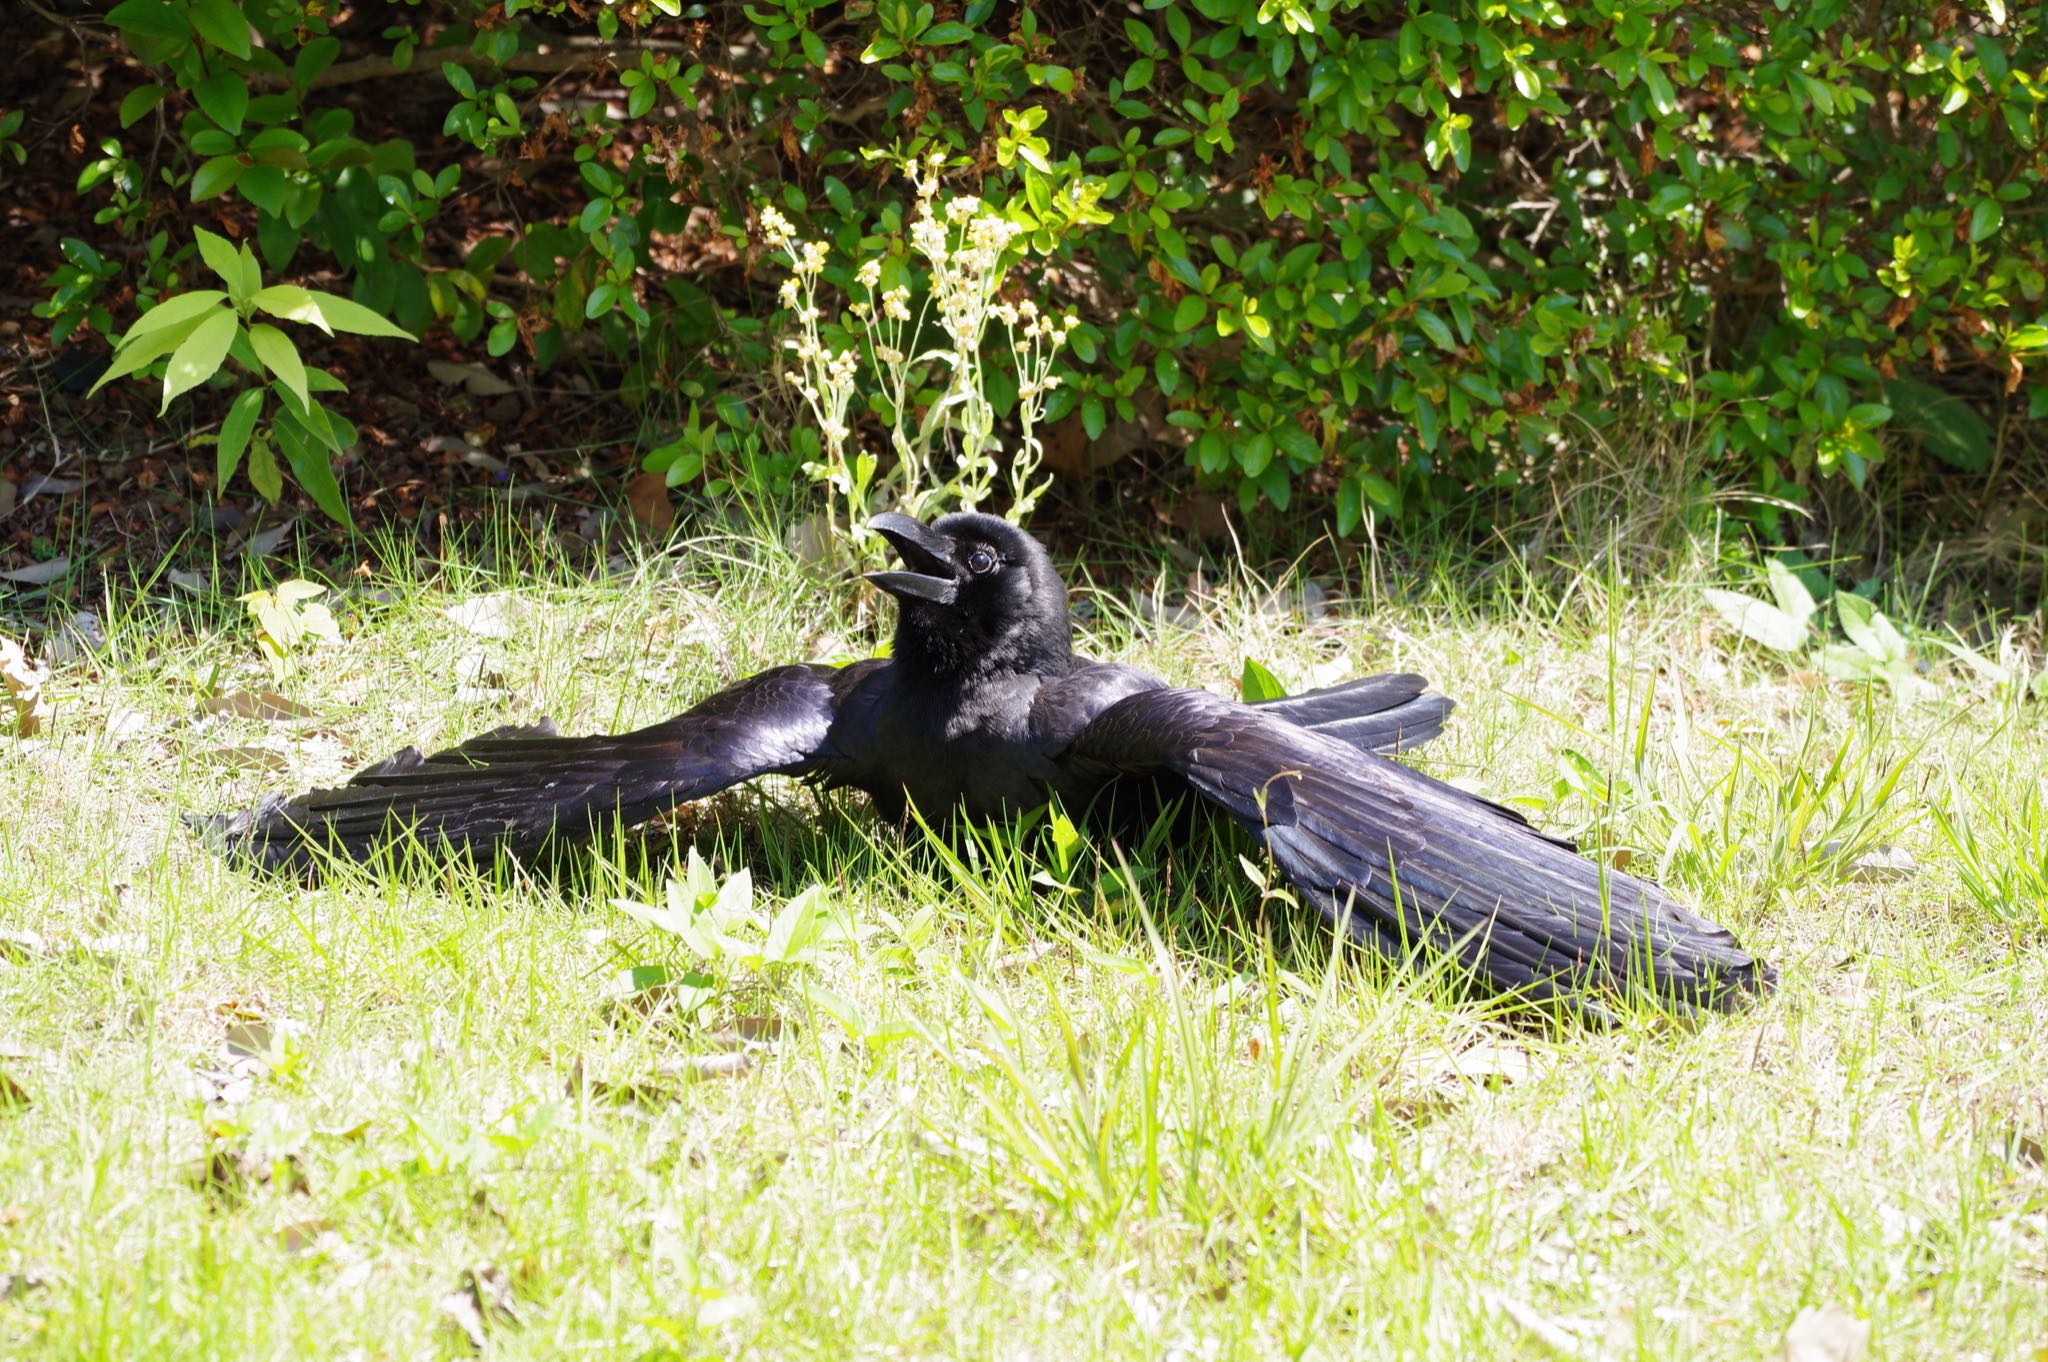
x=980, y=562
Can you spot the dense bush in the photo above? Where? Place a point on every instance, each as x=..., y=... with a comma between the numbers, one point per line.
x=1384, y=253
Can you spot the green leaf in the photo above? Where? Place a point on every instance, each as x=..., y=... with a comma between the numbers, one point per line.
x=252, y=273
x=235, y=429
x=264, y=186
x=460, y=78
x=264, y=474
x=150, y=18
x=180, y=307
x=1791, y=593
x=1188, y=314
x=313, y=59
x=1868, y=629
x=1093, y=418
x=1298, y=444
x=1258, y=684
x=1845, y=663
x=1437, y=329
x=1441, y=29
x=310, y=465
x=1987, y=217
x=292, y=303
x=1758, y=620
x=146, y=350
x=216, y=176
x=220, y=22
x=225, y=98
x=138, y=102
x=331, y=313
x=281, y=357
x=220, y=256
x=1948, y=427
x=199, y=357
x=940, y=34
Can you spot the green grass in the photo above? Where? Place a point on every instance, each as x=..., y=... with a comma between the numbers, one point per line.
x=1149, y=1114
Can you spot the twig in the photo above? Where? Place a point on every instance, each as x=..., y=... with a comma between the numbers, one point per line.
x=380, y=68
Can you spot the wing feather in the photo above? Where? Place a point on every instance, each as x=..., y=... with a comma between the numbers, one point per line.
x=1411, y=863
x=517, y=788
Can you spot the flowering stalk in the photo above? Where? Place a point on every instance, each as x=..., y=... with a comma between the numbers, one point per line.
x=963, y=244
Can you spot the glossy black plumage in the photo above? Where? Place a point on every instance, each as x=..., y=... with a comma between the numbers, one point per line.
x=984, y=709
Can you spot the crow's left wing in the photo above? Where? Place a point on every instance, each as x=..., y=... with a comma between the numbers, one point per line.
x=1405, y=861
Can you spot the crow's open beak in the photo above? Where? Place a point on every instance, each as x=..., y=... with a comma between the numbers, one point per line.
x=932, y=576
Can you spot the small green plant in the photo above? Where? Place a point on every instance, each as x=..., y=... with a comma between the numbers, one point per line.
x=11, y=148
x=720, y=936
x=1875, y=650
x=196, y=333
x=75, y=288
x=288, y=620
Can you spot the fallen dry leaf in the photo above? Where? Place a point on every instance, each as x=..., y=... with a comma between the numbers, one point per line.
x=483, y=1298
x=302, y=1235
x=1881, y=864
x=267, y=705
x=264, y=544
x=647, y=498
x=479, y=669
x=731, y=1064
x=48, y=485
x=39, y=574
x=81, y=636
x=1024, y=957
x=1490, y=1063
x=125, y=724
x=473, y=379
x=494, y=616
x=18, y=943
x=21, y=682
x=1556, y=1335
x=1826, y=1334
x=250, y=757
x=24, y=1279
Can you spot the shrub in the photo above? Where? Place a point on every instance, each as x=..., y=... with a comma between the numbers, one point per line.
x=1384, y=254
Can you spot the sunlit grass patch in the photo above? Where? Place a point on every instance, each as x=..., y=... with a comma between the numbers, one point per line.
x=1021, y=1095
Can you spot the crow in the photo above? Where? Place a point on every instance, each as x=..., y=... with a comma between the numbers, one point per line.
x=984, y=710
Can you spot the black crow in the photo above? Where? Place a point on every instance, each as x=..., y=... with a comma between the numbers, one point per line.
x=984, y=710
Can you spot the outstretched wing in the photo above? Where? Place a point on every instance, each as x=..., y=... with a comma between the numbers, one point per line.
x=518, y=787
x=1387, y=712
x=1406, y=861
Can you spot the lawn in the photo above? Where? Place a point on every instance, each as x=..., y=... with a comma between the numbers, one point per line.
x=1038, y=1099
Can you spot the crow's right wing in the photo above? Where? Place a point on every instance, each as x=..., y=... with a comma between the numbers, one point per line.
x=516, y=788
x=1407, y=862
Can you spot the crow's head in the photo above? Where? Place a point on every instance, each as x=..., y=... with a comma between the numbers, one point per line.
x=978, y=596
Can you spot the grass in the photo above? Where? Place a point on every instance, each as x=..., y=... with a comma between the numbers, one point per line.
x=1145, y=1113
